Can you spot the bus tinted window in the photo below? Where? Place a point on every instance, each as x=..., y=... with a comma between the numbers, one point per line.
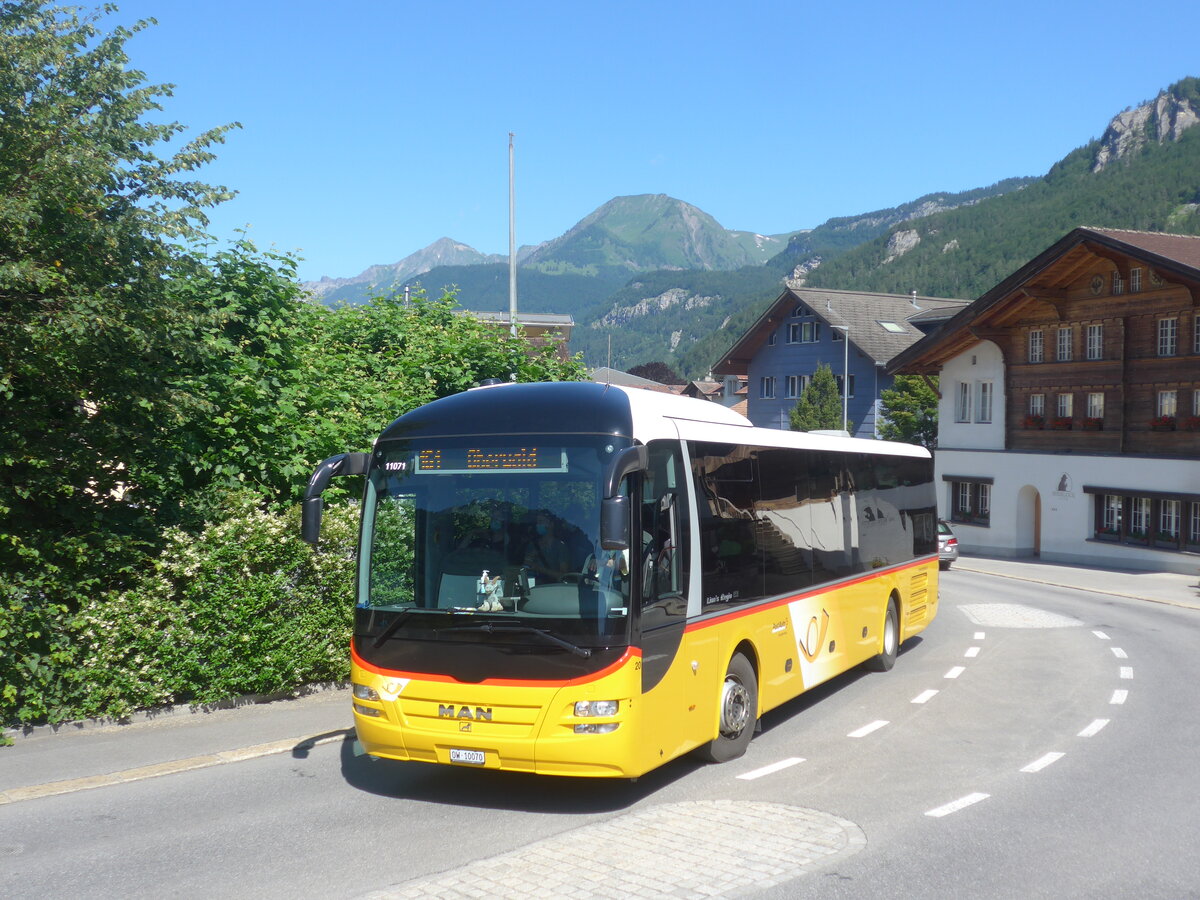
x=726, y=492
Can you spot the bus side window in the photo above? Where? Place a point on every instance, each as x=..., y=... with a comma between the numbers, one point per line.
x=664, y=537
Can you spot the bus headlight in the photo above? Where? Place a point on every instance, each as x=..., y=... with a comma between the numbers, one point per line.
x=367, y=711
x=362, y=692
x=597, y=728
x=596, y=708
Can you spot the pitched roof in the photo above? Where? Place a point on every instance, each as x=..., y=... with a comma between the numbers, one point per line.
x=863, y=312
x=1175, y=255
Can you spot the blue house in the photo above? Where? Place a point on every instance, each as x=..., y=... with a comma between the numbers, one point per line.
x=853, y=333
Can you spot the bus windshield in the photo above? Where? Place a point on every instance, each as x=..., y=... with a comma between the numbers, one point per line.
x=491, y=536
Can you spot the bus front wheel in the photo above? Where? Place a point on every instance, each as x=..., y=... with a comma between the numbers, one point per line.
x=739, y=713
x=891, y=640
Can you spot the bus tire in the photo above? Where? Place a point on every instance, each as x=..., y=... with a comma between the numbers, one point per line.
x=891, y=640
x=739, y=713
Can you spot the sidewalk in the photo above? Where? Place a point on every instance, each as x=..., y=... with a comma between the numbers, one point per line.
x=87, y=755
x=1156, y=587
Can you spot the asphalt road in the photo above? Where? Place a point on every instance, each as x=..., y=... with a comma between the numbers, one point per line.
x=1036, y=741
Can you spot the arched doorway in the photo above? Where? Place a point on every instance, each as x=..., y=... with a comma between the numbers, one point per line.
x=1029, y=522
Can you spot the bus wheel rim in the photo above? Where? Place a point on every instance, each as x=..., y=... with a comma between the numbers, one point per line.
x=889, y=634
x=735, y=708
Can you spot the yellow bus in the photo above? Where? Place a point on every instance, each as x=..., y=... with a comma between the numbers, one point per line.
x=583, y=579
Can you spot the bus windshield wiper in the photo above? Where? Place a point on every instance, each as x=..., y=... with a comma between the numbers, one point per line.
x=401, y=618
x=489, y=628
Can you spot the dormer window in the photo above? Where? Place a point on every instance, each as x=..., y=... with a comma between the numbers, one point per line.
x=799, y=311
x=893, y=327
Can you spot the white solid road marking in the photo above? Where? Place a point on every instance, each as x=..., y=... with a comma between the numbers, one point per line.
x=1092, y=729
x=1119, y=653
x=771, y=769
x=955, y=672
x=1101, y=635
x=971, y=653
x=960, y=803
x=979, y=635
x=1038, y=764
x=1118, y=697
x=1126, y=672
x=867, y=729
x=924, y=696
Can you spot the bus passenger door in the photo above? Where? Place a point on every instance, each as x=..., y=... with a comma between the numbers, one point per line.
x=662, y=567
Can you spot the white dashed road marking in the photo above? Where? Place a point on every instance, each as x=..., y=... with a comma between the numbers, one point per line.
x=1126, y=672
x=924, y=696
x=955, y=806
x=1038, y=764
x=971, y=653
x=1101, y=635
x=955, y=672
x=867, y=729
x=1119, y=653
x=1092, y=729
x=771, y=769
x=1119, y=697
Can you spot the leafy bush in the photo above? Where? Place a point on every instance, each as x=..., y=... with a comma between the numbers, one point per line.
x=243, y=607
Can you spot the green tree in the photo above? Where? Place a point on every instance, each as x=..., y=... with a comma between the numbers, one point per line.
x=820, y=406
x=93, y=223
x=910, y=411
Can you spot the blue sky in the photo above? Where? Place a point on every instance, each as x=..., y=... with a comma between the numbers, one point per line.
x=371, y=129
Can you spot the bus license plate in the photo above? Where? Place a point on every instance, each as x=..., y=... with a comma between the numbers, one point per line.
x=472, y=757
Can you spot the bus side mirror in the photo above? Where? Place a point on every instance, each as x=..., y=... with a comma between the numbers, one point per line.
x=614, y=508
x=614, y=523
x=335, y=466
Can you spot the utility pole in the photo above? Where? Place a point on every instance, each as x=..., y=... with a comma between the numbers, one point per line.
x=512, y=242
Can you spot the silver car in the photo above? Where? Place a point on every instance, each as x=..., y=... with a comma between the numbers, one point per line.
x=947, y=545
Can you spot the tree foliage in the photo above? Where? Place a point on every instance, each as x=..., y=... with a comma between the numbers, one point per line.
x=820, y=406
x=910, y=411
x=657, y=371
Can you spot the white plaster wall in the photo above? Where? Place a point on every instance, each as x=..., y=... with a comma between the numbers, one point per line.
x=1066, y=511
x=983, y=362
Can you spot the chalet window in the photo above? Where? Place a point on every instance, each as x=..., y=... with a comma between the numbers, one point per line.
x=1118, y=284
x=1168, y=336
x=838, y=335
x=1135, y=280
x=1037, y=345
x=1111, y=514
x=1095, y=342
x=771, y=339
x=799, y=311
x=766, y=387
x=838, y=379
x=1196, y=401
x=970, y=500
x=1165, y=521
x=1065, y=336
x=962, y=408
x=793, y=333
x=1066, y=405
x=983, y=412
x=1095, y=405
x=796, y=385
x=1139, y=516
x=1167, y=403
x=1037, y=404
x=1196, y=334
x=1168, y=519
x=803, y=332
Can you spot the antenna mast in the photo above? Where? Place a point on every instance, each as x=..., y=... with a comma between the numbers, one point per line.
x=512, y=242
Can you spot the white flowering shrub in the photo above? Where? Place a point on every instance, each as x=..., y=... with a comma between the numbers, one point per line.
x=243, y=607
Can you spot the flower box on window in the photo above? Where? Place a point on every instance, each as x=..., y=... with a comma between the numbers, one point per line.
x=1091, y=423
x=1166, y=539
x=1192, y=423
x=1162, y=423
x=1108, y=534
x=1062, y=423
x=1032, y=421
x=1136, y=536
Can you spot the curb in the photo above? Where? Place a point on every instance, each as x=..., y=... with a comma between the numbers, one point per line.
x=1075, y=587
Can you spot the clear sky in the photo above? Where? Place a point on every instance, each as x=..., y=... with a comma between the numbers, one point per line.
x=371, y=128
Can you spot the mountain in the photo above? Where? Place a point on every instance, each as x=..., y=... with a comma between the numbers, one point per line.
x=1143, y=173
x=647, y=232
x=442, y=252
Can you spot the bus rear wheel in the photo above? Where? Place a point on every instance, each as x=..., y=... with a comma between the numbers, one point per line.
x=739, y=713
x=891, y=640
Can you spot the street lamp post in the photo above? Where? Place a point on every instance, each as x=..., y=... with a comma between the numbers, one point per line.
x=845, y=372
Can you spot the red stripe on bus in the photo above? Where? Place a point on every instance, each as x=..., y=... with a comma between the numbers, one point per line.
x=753, y=608
x=630, y=653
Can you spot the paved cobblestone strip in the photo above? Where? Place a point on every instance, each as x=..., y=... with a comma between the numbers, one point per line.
x=1014, y=615
x=719, y=848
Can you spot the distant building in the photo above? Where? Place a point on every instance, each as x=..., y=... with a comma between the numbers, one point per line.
x=780, y=353
x=1069, y=419
x=542, y=329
